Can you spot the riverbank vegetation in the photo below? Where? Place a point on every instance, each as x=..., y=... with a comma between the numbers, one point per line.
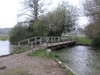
x=81, y=39
x=43, y=53
x=52, y=23
x=92, y=10
x=4, y=37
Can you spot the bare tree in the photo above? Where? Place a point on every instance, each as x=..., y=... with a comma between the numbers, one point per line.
x=92, y=9
x=33, y=8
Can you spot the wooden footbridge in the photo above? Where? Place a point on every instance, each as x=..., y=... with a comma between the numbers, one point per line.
x=46, y=42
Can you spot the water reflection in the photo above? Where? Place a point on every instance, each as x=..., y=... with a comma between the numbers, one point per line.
x=82, y=59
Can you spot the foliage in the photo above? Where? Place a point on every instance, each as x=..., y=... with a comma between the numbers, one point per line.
x=82, y=39
x=92, y=8
x=61, y=19
x=93, y=32
x=40, y=28
x=53, y=23
x=19, y=32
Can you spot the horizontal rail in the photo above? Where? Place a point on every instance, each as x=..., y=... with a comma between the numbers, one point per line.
x=39, y=41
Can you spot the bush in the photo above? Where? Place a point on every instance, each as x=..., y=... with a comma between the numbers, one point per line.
x=96, y=42
x=19, y=33
x=93, y=32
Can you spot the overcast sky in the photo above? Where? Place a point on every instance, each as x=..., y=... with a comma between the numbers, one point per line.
x=9, y=10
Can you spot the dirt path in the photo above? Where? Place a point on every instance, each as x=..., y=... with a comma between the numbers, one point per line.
x=21, y=64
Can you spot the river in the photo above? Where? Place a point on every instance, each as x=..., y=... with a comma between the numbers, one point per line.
x=6, y=48
x=83, y=60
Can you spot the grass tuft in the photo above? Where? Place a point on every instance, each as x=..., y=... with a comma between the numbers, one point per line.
x=43, y=53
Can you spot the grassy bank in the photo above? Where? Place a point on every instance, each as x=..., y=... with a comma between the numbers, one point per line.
x=4, y=37
x=43, y=53
x=81, y=39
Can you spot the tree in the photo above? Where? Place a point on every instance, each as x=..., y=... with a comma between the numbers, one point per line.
x=40, y=27
x=92, y=8
x=61, y=19
x=20, y=32
x=32, y=9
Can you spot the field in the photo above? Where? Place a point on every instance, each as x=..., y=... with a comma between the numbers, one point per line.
x=4, y=37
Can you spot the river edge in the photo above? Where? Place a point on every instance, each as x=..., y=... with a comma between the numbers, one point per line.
x=57, y=70
x=61, y=65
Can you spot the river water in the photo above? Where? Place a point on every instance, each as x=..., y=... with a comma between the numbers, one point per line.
x=83, y=60
x=6, y=48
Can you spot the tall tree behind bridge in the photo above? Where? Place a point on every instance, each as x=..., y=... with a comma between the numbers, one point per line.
x=63, y=18
x=32, y=9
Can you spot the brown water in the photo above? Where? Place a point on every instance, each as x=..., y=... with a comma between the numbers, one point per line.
x=83, y=60
x=6, y=48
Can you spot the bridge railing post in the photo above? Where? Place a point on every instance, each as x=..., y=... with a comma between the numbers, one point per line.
x=35, y=40
x=52, y=41
x=32, y=47
x=19, y=45
x=47, y=41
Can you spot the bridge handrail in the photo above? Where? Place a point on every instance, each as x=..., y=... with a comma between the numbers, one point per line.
x=41, y=40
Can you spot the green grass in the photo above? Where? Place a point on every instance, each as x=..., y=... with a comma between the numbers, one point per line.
x=69, y=72
x=81, y=39
x=37, y=53
x=20, y=51
x=43, y=53
x=4, y=37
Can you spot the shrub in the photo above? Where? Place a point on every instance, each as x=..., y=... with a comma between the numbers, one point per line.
x=19, y=33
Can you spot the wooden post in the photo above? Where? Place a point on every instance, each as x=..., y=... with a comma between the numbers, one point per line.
x=35, y=41
x=58, y=40
x=52, y=41
x=40, y=41
x=47, y=41
x=32, y=46
x=19, y=45
x=63, y=39
x=28, y=41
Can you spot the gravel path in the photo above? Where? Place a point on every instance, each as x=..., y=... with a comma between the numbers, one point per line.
x=21, y=64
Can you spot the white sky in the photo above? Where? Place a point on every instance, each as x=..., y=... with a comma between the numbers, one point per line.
x=9, y=10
